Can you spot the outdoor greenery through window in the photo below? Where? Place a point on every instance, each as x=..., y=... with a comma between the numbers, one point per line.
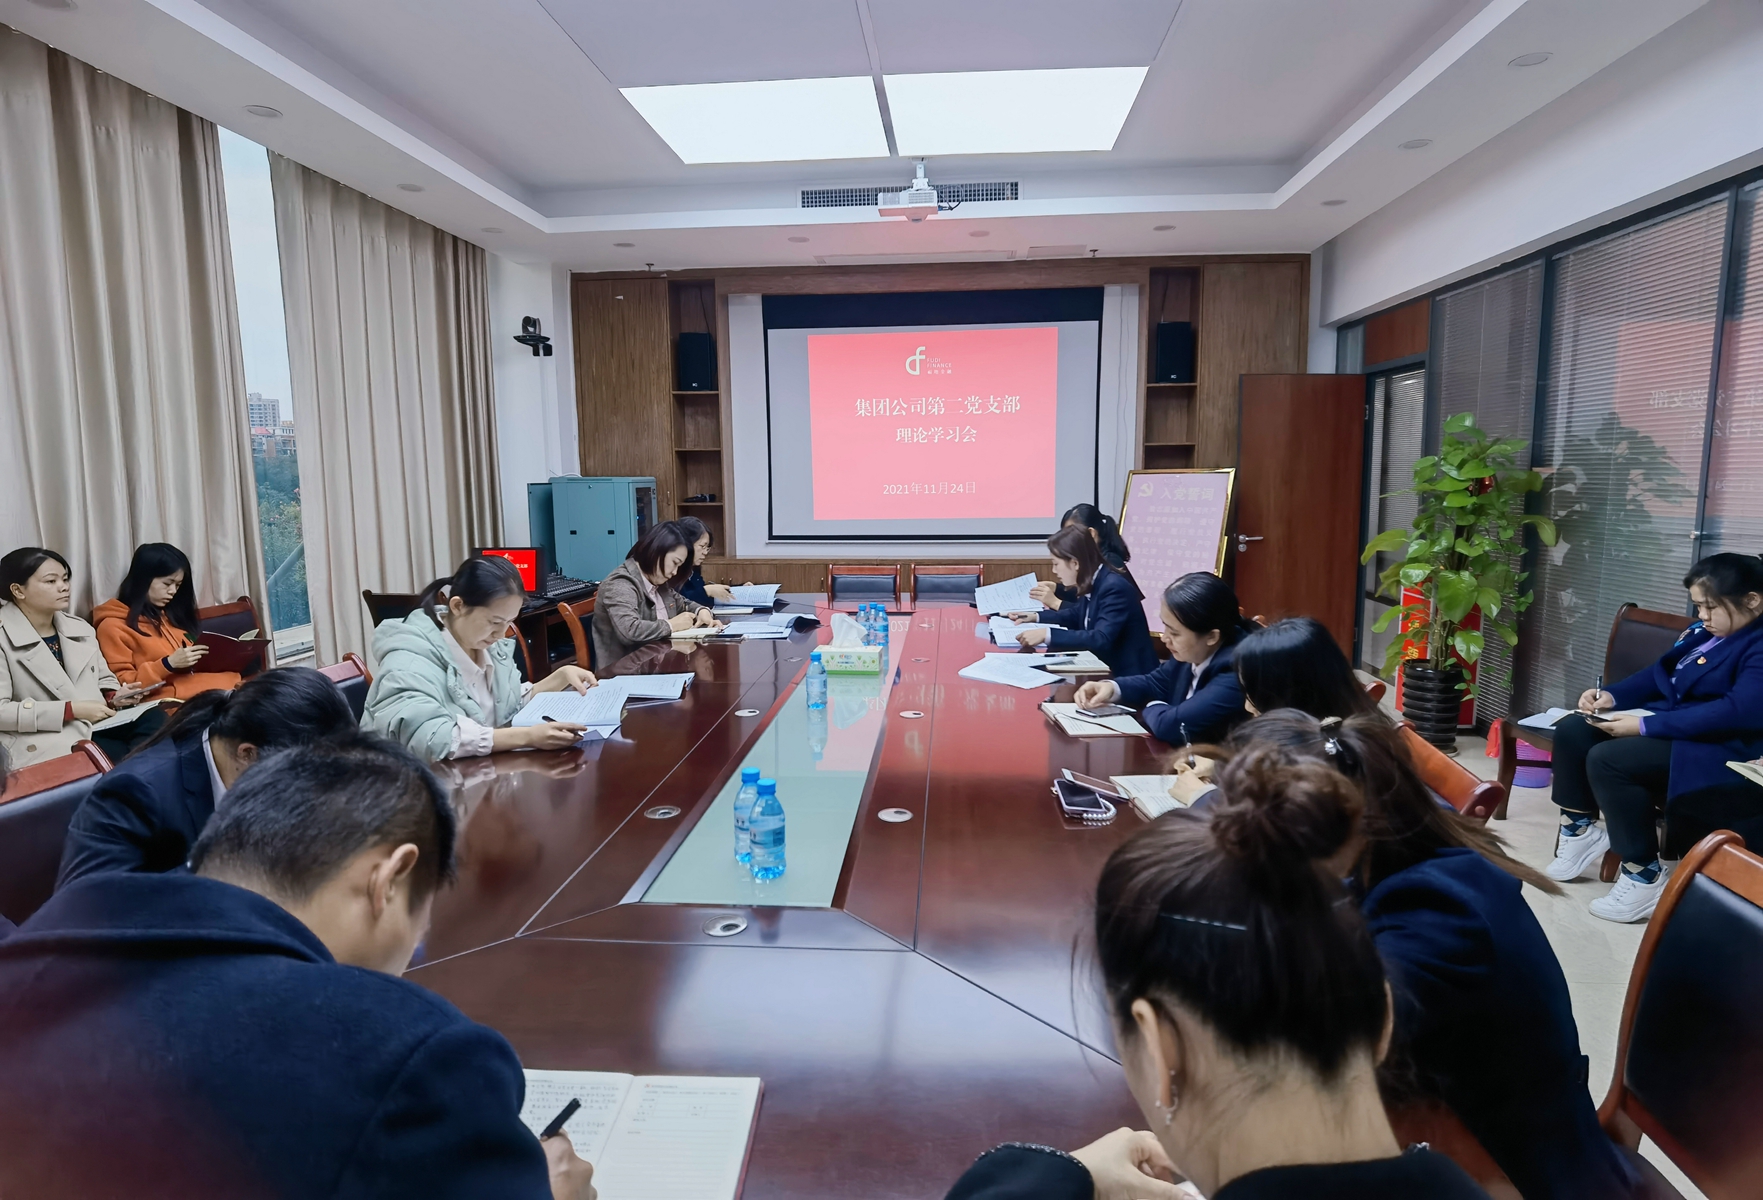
x=257, y=280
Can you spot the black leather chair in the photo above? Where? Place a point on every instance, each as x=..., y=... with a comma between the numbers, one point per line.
x=865, y=583
x=388, y=606
x=1689, y=1051
x=35, y=807
x=352, y=679
x=942, y=583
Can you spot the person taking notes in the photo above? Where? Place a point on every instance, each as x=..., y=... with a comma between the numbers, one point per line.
x=447, y=685
x=1706, y=702
x=54, y=682
x=240, y=1029
x=689, y=583
x=1194, y=697
x=636, y=604
x=149, y=631
x=1107, y=618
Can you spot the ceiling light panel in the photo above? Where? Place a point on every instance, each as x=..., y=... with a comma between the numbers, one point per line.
x=771, y=120
x=1011, y=112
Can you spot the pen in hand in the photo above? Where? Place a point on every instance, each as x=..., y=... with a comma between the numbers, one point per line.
x=1597, y=691
x=1189, y=744
x=561, y=1119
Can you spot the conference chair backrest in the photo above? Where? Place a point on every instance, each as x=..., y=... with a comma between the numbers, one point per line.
x=855, y=582
x=573, y=615
x=35, y=809
x=1689, y=1051
x=388, y=606
x=234, y=619
x=352, y=679
x=1462, y=789
x=944, y=581
x=1639, y=637
x=1374, y=687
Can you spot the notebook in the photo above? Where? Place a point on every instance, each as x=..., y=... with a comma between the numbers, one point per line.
x=1074, y=721
x=1010, y=596
x=1749, y=770
x=1547, y=720
x=652, y=1137
x=1149, y=794
x=1066, y=662
x=240, y=655
x=127, y=716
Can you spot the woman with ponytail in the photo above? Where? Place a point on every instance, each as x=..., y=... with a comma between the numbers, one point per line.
x=1105, y=532
x=147, y=813
x=447, y=685
x=1483, y=1020
x=1108, y=616
x=1249, y=1008
x=1194, y=697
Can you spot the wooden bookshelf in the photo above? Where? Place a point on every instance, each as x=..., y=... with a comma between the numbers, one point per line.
x=1168, y=436
x=697, y=415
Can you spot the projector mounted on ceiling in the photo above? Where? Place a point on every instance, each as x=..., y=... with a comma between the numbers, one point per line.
x=915, y=203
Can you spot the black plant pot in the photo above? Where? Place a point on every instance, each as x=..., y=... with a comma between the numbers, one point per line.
x=1431, y=700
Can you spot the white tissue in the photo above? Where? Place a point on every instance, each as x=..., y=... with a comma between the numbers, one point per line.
x=846, y=632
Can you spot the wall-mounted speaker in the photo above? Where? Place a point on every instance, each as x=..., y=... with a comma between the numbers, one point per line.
x=1175, y=352
x=695, y=362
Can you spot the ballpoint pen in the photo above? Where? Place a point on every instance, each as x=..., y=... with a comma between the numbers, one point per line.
x=1190, y=745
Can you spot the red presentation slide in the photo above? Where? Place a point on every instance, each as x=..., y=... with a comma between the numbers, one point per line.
x=950, y=425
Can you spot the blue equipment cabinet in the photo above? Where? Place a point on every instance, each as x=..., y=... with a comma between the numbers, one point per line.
x=596, y=520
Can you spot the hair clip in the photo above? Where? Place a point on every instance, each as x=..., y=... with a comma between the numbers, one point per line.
x=1203, y=921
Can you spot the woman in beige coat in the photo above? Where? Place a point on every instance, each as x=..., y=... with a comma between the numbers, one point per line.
x=54, y=682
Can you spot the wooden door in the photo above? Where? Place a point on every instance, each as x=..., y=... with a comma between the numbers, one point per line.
x=1301, y=468
x=624, y=382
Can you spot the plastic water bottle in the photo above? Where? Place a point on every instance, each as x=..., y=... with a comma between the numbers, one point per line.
x=874, y=627
x=816, y=682
x=743, y=809
x=766, y=827
x=881, y=626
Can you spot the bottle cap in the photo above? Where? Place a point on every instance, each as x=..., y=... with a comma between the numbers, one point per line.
x=749, y=774
x=767, y=785
x=814, y=656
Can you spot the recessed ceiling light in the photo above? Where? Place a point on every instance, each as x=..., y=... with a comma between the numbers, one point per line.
x=1535, y=59
x=980, y=233
x=798, y=239
x=410, y=187
x=489, y=229
x=1161, y=228
x=767, y=120
x=263, y=110
x=1415, y=144
x=1011, y=112
x=1333, y=203
x=625, y=246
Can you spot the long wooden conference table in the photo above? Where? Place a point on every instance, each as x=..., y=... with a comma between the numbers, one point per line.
x=913, y=991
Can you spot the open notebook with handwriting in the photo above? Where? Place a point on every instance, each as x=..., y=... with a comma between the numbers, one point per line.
x=652, y=1137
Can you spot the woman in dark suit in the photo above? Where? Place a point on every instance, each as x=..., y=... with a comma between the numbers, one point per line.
x=1483, y=1020
x=1194, y=697
x=689, y=583
x=1249, y=1011
x=1706, y=700
x=147, y=813
x=1107, y=618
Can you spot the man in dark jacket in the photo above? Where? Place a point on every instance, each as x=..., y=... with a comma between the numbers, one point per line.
x=241, y=1031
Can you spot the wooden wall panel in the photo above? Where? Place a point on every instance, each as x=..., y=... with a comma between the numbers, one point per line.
x=624, y=381
x=1253, y=320
x=1399, y=333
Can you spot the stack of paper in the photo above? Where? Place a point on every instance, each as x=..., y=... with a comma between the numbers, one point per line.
x=1005, y=631
x=759, y=629
x=655, y=1137
x=1548, y=720
x=997, y=668
x=760, y=595
x=1748, y=770
x=732, y=610
x=1076, y=722
x=1010, y=596
x=651, y=687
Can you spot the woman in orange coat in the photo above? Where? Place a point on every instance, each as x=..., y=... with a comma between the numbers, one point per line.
x=148, y=632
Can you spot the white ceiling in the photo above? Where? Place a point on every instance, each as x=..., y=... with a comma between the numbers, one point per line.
x=507, y=112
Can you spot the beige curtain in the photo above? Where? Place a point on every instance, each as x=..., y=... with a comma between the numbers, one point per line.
x=388, y=347
x=122, y=384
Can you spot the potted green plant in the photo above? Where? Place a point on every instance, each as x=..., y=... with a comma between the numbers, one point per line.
x=1460, y=555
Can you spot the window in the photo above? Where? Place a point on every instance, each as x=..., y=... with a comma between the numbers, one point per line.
x=263, y=334
x=1733, y=518
x=1625, y=416
x=1398, y=434
x=1484, y=361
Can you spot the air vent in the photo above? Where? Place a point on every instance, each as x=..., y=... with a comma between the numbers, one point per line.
x=869, y=197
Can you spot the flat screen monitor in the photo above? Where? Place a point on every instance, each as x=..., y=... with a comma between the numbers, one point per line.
x=528, y=560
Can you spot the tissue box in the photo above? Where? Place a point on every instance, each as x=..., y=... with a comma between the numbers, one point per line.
x=852, y=660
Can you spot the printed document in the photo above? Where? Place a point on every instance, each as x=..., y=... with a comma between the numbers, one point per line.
x=756, y=594
x=994, y=669
x=1005, y=631
x=1010, y=596
x=601, y=709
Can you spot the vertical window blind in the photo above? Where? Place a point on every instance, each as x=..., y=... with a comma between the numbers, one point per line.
x=1625, y=417
x=1484, y=361
x=1733, y=519
x=1398, y=436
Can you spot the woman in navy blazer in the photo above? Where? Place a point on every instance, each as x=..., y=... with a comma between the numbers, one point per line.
x=1195, y=696
x=240, y=1030
x=1706, y=700
x=1483, y=1019
x=147, y=813
x=1107, y=618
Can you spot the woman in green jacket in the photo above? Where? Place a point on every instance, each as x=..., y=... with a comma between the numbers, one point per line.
x=446, y=684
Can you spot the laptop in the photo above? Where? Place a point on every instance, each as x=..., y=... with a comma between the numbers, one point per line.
x=543, y=585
